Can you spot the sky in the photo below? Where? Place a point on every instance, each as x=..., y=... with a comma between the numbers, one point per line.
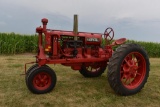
x=133, y=19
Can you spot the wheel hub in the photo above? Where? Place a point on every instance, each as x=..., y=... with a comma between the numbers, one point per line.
x=42, y=81
x=132, y=70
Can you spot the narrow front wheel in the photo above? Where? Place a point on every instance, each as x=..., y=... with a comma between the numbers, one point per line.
x=41, y=80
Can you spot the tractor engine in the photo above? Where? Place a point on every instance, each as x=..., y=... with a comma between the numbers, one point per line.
x=85, y=46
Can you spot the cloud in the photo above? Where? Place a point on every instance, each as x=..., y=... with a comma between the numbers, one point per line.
x=133, y=19
x=2, y=23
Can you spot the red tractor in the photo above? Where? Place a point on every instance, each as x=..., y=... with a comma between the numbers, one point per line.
x=128, y=65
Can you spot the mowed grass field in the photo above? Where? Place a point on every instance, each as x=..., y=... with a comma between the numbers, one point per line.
x=72, y=89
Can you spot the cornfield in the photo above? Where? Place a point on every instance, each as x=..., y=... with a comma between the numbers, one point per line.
x=11, y=43
x=153, y=49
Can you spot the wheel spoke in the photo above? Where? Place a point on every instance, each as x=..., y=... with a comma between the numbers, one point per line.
x=126, y=79
x=126, y=62
x=91, y=68
x=110, y=32
x=45, y=77
x=110, y=37
x=106, y=34
x=130, y=81
x=138, y=73
x=37, y=82
x=138, y=61
x=39, y=76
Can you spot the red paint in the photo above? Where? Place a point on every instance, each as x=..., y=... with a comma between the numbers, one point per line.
x=42, y=81
x=133, y=70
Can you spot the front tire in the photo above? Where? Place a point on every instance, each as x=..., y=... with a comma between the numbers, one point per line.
x=128, y=69
x=33, y=67
x=41, y=80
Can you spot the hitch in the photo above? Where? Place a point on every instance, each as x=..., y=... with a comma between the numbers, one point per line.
x=25, y=67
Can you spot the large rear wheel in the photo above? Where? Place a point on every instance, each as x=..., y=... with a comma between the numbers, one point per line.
x=94, y=69
x=128, y=69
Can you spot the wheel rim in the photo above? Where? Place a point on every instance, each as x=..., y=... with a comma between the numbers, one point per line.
x=94, y=67
x=42, y=81
x=133, y=70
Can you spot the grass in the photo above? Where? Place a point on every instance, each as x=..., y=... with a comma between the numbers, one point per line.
x=72, y=89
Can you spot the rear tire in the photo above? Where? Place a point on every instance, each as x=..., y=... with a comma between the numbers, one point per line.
x=128, y=69
x=41, y=80
x=94, y=69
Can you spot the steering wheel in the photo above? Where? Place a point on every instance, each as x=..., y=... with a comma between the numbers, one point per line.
x=109, y=34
